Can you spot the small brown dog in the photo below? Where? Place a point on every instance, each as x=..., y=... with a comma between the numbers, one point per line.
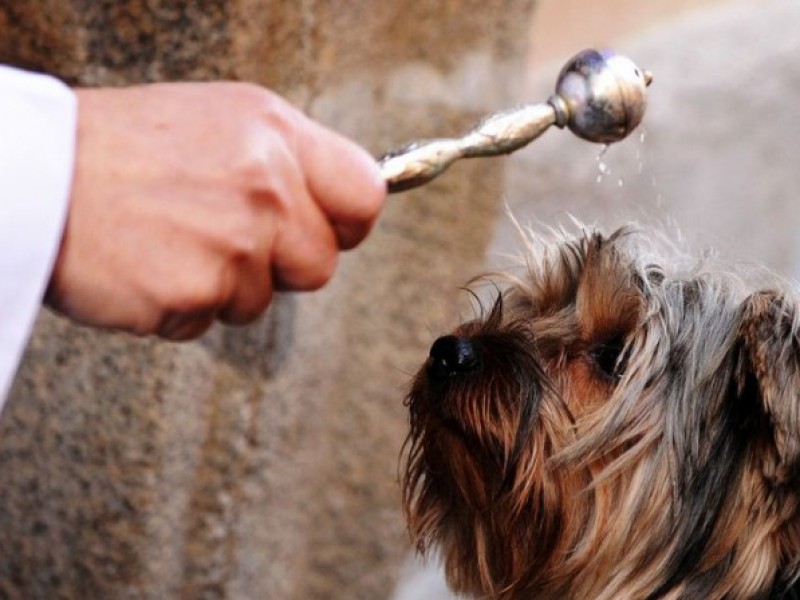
x=611, y=430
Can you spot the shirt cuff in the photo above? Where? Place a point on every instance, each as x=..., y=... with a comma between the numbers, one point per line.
x=38, y=121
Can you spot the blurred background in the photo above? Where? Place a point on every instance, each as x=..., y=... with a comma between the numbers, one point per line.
x=262, y=462
x=716, y=157
x=717, y=153
x=715, y=164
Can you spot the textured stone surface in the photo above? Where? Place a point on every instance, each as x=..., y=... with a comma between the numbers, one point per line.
x=258, y=462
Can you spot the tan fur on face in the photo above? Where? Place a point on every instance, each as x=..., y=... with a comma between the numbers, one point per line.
x=628, y=431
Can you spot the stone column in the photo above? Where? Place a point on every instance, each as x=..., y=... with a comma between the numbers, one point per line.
x=257, y=462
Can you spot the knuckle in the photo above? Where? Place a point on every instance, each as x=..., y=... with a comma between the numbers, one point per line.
x=278, y=114
x=256, y=99
x=244, y=235
x=323, y=270
x=255, y=165
x=244, y=312
x=203, y=293
x=266, y=139
x=269, y=113
x=263, y=174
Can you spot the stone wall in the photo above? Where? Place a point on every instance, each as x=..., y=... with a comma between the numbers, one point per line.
x=258, y=462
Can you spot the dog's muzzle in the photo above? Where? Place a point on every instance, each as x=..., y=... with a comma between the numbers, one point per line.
x=451, y=356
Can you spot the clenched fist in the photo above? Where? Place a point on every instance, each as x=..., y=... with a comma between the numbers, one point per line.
x=192, y=202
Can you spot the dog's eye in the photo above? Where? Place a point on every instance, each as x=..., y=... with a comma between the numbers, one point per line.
x=607, y=357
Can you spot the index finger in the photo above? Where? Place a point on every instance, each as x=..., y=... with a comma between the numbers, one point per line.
x=344, y=180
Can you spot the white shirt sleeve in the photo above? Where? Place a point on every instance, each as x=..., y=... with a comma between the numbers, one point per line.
x=38, y=119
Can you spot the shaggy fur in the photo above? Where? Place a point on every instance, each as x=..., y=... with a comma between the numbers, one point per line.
x=612, y=430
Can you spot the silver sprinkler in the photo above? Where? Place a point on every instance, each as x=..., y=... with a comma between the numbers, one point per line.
x=600, y=96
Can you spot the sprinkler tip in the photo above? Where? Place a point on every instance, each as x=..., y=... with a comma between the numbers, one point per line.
x=648, y=78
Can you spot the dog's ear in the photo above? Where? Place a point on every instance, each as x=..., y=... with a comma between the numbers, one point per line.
x=770, y=363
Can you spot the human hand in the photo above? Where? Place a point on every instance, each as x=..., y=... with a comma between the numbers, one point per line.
x=192, y=202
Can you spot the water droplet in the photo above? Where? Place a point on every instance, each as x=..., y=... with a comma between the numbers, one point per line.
x=602, y=167
x=639, y=160
x=642, y=135
x=620, y=182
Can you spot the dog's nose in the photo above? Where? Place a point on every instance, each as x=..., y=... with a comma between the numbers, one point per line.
x=451, y=355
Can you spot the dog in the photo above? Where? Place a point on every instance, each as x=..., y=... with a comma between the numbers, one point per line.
x=616, y=426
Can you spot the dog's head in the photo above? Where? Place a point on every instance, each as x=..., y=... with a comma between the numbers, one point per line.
x=611, y=430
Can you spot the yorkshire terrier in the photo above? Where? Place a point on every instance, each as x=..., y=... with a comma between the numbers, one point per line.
x=612, y=429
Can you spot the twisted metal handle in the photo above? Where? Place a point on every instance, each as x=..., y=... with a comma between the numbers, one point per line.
x=600, y=96
x=501, y=133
